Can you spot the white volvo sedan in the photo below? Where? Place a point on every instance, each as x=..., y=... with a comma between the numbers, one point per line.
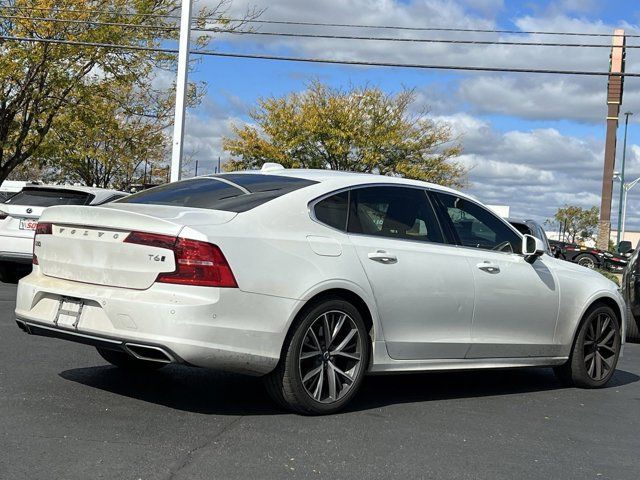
x=313, y=279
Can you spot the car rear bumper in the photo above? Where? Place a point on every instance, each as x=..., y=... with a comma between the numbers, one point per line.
x=16, y=257
x=16, y=249
x=223, y=329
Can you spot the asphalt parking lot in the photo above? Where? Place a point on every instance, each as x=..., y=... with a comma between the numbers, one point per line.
x=64, y=413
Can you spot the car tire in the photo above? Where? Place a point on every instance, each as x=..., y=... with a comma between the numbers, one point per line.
x=633, y=332
x=586, y=260
x=595, y=350
x=319, y=374
x=127, y=362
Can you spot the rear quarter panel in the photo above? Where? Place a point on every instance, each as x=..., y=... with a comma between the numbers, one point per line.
x=270, y=251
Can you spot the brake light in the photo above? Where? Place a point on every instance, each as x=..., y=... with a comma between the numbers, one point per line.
x=3, y=215
x=41, y=229
x=197, y=263
x=151, y=240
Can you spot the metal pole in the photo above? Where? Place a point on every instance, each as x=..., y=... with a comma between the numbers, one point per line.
x=624, y=155
x=196, y=168
x=624, y=213
x=181, y=90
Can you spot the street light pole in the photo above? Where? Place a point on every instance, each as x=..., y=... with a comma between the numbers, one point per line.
x=181, y=90
x=622, y=193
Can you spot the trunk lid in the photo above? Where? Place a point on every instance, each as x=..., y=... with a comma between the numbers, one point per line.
x=87, y=244
x=20, y=220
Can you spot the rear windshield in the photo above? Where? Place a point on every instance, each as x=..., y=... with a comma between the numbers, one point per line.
x=6, y=195
x=230, y=192
x=48, y=198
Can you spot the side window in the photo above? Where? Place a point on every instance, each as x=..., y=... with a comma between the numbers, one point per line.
x=332, y=210
x=477, y=227
x=393, y=212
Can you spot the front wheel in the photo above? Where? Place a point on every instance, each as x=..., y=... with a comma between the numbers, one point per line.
x=595, y=351
x=324, y=360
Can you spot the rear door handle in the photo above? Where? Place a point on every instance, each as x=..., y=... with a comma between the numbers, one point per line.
x=383, y=256
x=488, y=267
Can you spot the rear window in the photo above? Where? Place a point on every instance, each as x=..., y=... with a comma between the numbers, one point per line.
x=332, y=210
x=229, y=192
x=48, y=198
x=6, y=195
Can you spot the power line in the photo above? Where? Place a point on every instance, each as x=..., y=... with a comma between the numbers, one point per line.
x=323, y=60
x=312, y=35
x=433, y=29
x=324, y=24
x=408, y=40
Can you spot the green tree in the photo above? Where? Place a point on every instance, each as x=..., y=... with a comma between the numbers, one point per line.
x=43, y=83
x=576, y=223
x=103, y=147
x=361, y=129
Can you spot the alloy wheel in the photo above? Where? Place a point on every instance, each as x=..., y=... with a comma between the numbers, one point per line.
x=330, y=359
x=600, y=346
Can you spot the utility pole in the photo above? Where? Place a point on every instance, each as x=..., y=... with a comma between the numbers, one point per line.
x=614, y=100
x=181, y=90
x=622, y=195
x=196, y=174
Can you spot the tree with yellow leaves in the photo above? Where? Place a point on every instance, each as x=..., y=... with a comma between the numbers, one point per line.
x=97, y=100
x=361, y=130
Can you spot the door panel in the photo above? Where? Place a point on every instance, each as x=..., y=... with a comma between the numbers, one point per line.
x=424, y=298
x=423, y=288
x=516, y=309
x=516, y=303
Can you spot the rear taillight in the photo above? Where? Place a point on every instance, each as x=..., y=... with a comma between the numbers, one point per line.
x=197, y=263
x=41, y=229
x=151, y=240
x=3, y=215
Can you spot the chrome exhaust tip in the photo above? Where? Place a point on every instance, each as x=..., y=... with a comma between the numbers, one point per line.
x=149, y=353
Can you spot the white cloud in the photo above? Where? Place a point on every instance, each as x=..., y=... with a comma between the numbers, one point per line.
x=535, y=171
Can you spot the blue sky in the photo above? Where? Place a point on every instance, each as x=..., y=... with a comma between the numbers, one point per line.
x=533, y=142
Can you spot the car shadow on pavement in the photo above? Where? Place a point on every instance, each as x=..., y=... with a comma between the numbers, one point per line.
x=203, y=391
x=386, y=390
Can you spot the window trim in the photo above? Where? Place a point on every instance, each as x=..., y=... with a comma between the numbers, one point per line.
x=458, y=243
x=426, y=190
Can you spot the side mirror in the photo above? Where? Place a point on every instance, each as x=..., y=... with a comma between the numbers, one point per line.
x=532, y=248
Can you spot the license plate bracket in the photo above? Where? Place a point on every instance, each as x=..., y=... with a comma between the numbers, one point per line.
x=69, y=312
x=27, y=224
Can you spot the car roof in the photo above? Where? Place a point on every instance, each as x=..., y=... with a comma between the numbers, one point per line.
x=98, y=193
x=520, y=220
x=340, y=179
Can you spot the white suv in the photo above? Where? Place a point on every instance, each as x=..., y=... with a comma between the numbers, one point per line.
x=20, y=213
